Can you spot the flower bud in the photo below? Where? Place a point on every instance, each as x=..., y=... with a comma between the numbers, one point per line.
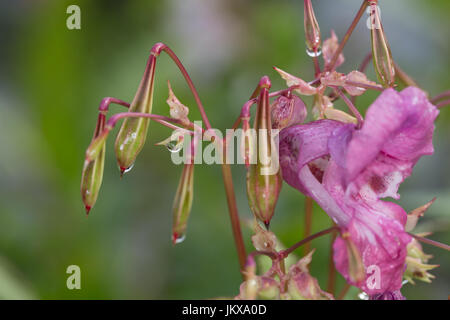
x=92, y=175
x=287, y=112
x=183, y=203
x=416, y=263
x=133, y=132
x=312, y=30
x=381, y=52
x=301, y=285
x=264, y=178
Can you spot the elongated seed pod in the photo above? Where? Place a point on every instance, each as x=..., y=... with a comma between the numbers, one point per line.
x=264, y=178
x=133, y=132
x=381, y=51
x=182, y=203
x=92, y=175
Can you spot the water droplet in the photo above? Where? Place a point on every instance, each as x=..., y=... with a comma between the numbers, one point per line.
x=125, y=170
x=176, y=239
x=314, y=53
x=129, y=168
x=174, y=146
x=363, y=296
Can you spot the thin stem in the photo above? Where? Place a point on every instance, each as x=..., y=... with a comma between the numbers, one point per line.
x=308, y=223
x=445, y=94
x=443, y=104
x=286, y=252
x=316, y=64
x=364, y=85
x=331, y=267
x=430, y=242
x=161, y=119
x=351, y=106
x=344, y=292
x=347, y=35
x=234, y=216
x=156, y=50
x=104, y=104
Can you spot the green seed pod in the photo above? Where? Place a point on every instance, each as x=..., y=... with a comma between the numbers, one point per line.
x=133, y=132
x=381, y=51
x=264, y=179
x=183, y=203
x=92, y=175
x=312, y=31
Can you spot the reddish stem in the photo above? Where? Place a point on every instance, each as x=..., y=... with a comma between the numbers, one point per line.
x=283, y=254
x=347, y=35
x=351, y=106
x=443, y=104
x=430, y=242
x=445, y=94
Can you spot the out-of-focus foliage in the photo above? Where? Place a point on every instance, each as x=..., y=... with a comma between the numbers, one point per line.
x=52, y=80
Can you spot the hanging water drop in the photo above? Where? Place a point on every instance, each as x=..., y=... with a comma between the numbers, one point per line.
x=125, y=170
x=178, y=238
x=313, y=53
x=174, y=146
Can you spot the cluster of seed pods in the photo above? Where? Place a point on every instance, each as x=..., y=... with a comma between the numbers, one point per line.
x=258, y=144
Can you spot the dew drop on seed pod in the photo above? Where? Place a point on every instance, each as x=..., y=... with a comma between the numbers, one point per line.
x=174, y=146
x=314, y=53
x=125, y=170
x=363, y=296
x=176, y=239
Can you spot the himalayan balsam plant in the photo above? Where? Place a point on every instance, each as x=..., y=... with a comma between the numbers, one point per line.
x=345, y=162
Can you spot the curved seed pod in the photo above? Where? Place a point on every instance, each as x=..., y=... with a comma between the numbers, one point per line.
x=183, y=203
x=312, y=31
x=133, y=132
x=92, y=175
x=264, y=177
x=287, y=111
x=381, y=51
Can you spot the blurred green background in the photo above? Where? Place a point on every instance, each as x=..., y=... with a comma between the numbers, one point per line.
x=52, y=80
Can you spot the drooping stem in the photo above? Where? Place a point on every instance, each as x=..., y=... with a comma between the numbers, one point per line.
x=308, y=223
x=347, y=35
x=286, y=252
x=430, y=242
x=351, y=106
x=157, y=48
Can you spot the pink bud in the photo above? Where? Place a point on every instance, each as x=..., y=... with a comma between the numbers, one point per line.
x=287, y=112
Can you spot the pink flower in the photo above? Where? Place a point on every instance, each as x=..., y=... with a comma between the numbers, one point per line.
x=347, y=171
